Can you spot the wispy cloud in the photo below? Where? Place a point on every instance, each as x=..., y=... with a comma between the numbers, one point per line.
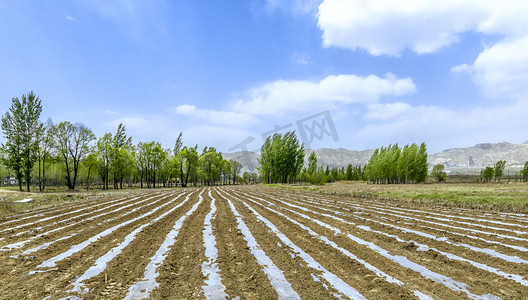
x=136, y=18
x=70, y=18
x=301, y=58
x=297, y=7
x=226, y=118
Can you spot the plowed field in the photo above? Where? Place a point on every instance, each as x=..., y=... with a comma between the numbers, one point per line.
x=261, y=243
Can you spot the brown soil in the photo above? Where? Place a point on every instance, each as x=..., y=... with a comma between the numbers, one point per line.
x=476, y=237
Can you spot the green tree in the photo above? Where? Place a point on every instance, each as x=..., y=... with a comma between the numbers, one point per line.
x=90, y=162
x=438, y=173
x=104, y=154
x=487, y=174
x=178, y=144
x=524, y=171
x=349, y=172
x=235, y=169
x=121, y=158
x=72, y=145
x=211, y=165
x=141, y=161
x=421, y=164
x=226, y=171
x=45, y=139
x=158, y=157
x=498, y=170
x=281, y=158
x=173, y=168
x=245, y=177
x=20, y=125
x=189, y=160
x=312, y=163
x=395, y=165
x=312, y=168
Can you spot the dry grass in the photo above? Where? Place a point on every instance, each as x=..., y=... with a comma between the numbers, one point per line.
x=511, y=196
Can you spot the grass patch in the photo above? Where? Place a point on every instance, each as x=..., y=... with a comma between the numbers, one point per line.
x=511, y=197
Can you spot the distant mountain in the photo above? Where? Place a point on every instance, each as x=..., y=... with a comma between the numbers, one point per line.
x=249, y=160
x=467, y=160
x=482, y=155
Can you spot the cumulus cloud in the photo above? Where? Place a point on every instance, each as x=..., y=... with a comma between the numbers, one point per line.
x=502, y=70
x=389, y=27
x=282, y=96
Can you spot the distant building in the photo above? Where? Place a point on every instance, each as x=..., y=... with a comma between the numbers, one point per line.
x=471, y=161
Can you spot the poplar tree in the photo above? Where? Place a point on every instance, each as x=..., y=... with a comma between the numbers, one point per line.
x=395, y=165
x=103, y=152
x=282, y=158
x=121, y=156
x=421, y=164
x=524, y=171
x=498, y=170
x=20, y=125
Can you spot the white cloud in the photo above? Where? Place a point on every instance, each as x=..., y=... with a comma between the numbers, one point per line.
x=388, y=27
x=226, y=118
x=463, y=68
x=386, y=111
x=70, y=18
x=502, y=70
x=282, y=96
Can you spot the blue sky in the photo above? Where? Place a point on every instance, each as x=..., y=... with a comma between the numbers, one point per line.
x=450, y=73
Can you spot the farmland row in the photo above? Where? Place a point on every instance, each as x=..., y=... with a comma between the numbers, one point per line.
x=259, y=242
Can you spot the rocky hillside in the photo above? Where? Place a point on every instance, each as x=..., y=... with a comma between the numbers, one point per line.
x=482, y=155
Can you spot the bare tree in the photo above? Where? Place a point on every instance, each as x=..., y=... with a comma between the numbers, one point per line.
x=73, y=144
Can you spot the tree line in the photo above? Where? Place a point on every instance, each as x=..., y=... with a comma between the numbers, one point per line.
x=68, y=151
x=281, y=158
x=31, y=148
x=321, y=175
x=393, y=164
x=282, y=161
